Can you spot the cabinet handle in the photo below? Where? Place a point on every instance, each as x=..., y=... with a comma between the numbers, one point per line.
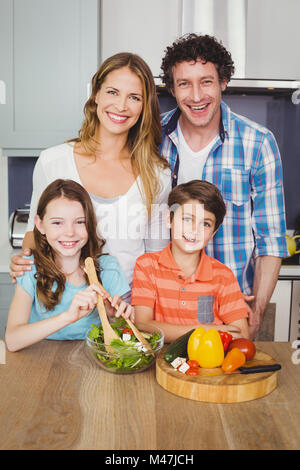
x=2, y=92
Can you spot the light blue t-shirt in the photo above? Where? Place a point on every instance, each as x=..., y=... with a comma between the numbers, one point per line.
x=112, y=279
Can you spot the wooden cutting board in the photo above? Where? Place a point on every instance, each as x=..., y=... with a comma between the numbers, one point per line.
x=219, y=387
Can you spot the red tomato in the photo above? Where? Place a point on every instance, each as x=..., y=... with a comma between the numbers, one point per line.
x=127, y=330
x=192, y=372
x=193, y=364
x=244, y=345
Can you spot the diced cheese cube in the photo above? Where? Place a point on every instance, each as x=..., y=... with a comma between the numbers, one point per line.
x=184, y=367
x=126, y=337
x=178, y=361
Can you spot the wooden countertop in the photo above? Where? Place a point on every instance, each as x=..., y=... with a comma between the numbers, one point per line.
x=54, y=397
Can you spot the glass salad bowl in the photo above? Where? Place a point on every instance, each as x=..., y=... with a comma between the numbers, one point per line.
x=126, y=355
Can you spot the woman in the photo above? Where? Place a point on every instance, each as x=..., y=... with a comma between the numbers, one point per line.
x=116, y=158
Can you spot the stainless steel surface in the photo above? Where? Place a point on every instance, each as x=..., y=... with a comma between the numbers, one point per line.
x=262, y=35
x=267, y=84
x=255, y=83
x=17, y=226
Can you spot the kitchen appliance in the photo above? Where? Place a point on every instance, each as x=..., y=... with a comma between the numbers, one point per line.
x=17, y=226
x=291, y=244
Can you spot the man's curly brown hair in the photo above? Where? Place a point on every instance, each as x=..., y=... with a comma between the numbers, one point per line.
x=191, y=47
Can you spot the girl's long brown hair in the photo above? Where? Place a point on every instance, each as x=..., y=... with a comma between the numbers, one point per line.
x=144, y=137
x=50, y=280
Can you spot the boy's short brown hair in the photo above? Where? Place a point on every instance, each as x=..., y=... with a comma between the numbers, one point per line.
x=204, y=192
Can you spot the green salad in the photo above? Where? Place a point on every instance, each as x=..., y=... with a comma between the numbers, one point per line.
x=129, y=354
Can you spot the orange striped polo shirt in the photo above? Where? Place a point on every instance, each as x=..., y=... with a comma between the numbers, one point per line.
x=210, y=295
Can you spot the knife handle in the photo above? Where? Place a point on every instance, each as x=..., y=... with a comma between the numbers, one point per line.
x=255, y=369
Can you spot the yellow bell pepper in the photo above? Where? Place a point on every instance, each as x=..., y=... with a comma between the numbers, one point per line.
x=206, y=347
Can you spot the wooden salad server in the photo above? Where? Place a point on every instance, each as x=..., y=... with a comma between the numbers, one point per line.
x=136, y=332
x=108, y=331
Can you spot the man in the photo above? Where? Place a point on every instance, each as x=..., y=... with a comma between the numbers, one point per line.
x=203, y=138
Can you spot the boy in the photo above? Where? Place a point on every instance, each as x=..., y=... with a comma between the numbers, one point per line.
x=180, y=287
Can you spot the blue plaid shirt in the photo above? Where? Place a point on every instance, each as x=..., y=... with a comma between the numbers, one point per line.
x=245, y=165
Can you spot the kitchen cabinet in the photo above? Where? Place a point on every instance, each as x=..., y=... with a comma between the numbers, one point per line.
x=49, y=52
x=6, y=294
x=286, y=297
x=140, y=27
x=282, y=299
x=272, y=30
x=295, y=313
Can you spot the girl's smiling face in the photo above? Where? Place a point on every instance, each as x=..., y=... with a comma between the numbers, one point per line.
x=192, y=227
x=119, y=101
x=64, y=226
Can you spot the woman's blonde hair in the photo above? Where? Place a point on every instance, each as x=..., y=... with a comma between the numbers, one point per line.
x=144, y=137
x=48, y=275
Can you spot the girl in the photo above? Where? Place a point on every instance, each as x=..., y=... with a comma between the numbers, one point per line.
x=116, y=158
x=53, y=300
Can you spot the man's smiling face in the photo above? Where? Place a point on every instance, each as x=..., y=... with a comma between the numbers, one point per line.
x=198, y=92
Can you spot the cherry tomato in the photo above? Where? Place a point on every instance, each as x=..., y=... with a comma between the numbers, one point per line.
x=127, y=330
x=193, y=364
x=244, y=345
x=192, y=372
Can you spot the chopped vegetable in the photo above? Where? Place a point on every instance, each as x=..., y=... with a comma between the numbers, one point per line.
x=193, y=364
x=128, y=355
x=192, y=371
x=127, y=330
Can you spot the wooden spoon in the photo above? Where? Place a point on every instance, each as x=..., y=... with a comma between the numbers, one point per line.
x=136, y=332
x=108, y=331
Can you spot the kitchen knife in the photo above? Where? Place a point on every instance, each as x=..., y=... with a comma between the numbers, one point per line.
x=256, y=369
x=244, y=370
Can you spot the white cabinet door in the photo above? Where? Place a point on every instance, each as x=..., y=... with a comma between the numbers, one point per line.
x=282, y=298
x=49, y=52
x=272, y=39
x=142, y=27
x=295, y=312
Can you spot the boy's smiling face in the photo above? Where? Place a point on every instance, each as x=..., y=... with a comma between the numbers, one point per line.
x=191, y=227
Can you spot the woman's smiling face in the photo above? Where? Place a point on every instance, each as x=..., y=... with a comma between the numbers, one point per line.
x=119, y=101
